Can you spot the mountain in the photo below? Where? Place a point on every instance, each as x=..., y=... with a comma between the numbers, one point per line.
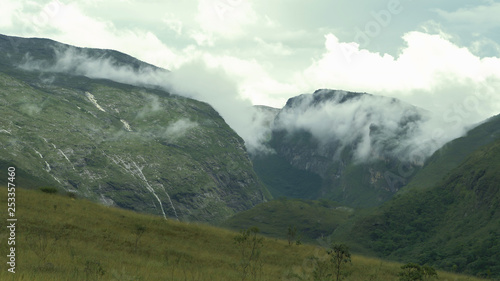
x=343, y=146
x=447, y=215
x=455, y=152
x=454, y=225
x=135, y=147
x=16, y=50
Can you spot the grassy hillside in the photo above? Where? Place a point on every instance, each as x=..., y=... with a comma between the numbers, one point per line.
x=313, y=219
x=455, y=225
x=455, y=152
x=59, y=238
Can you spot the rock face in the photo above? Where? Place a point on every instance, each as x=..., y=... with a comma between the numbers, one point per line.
x=134, y=147
x=358, y=144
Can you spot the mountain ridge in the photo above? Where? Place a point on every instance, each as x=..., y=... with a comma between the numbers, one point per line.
x=131, y=146
x=343, y=138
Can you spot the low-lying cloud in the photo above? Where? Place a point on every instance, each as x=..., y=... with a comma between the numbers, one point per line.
x=79, y=62
x=178, y=129
x=374, y=126
x=193, y=80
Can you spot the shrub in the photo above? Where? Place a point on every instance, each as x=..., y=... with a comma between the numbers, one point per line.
x=48, y=189
x=71, y=194
x=93, y=270
x=340, y=255
x=249, y=245
x=415, y=272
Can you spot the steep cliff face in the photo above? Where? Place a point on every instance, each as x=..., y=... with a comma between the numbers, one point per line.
x=133, y=147
x=357, y=143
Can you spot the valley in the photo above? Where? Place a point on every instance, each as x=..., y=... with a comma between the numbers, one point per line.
x=123, y=178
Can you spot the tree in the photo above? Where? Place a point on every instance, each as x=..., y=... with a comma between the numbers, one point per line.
x=291, y=234
x=340, y=255
x=429, y=272
x=411, y=272
x=249, y=245
x=415, y=272
x=138, y=231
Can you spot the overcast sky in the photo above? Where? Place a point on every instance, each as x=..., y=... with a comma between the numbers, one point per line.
x=440, y=55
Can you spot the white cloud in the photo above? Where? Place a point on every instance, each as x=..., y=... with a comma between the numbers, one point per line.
x=211, y=84
x=225, y=18
x=173, y=23
x=253, y=81
x=373, y=126
x=429, y=70
x=78, y=62
x=178, y=129
x=8, y=12
x=277, y=49
x=67, y=23
x=237, y=53
x=202, y=38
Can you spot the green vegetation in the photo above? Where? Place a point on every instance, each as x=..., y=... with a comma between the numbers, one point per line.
x=415, y=272
x=48, y=189
x=282, y=179
x=340, y=256
x=293, y=237
x=311, y=219
x=250, y=246
x=454, y=153
x=129, y=153
x=454, y=226
x=134, y=147
x=81, y=240
x=139, y=231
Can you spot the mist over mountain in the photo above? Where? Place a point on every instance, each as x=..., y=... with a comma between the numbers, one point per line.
x=373, y=126
x=67, y=125
x=327, y=133
x=212, y=85
x=181, y=144
x=193, y=80
x=363, y=147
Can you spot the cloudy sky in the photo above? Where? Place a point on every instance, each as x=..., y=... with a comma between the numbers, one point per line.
x=440, y=55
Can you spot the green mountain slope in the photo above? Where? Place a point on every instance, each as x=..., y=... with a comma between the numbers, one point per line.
x=454, y=225
x=59, y=238
x=454, y=152
x=312, y=219
x=283, y=179
x=134, y=147
x=16, y=50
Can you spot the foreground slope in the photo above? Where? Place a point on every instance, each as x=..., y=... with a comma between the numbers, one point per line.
x=133, y=147
x=59, y=238
x=454, y=225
